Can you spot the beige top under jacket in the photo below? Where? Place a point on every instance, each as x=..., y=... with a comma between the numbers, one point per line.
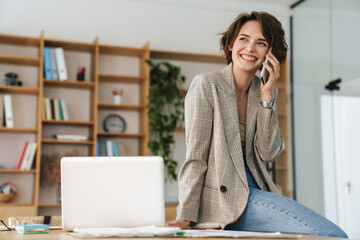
x=213, y=190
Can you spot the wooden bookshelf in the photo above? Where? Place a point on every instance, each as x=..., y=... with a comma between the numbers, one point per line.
x=141, y=81
x=22, y=133
x=55, y=141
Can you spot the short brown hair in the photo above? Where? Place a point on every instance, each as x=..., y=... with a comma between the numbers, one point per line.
x=271, y=28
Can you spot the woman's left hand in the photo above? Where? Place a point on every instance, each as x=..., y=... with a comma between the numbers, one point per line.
x=274, y=75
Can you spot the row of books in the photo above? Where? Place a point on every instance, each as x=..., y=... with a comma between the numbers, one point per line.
x=110, y=148
x=71, y=136
x=6, y=111
x=54, y=63
x=55, y=109
x=27, y=156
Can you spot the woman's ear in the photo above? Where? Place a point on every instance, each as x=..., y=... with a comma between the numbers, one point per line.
x=230, y=47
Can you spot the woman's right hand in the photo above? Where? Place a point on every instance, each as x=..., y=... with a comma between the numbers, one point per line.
x=183, y=224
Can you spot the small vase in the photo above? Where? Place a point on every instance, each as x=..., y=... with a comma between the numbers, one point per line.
x=117, y=99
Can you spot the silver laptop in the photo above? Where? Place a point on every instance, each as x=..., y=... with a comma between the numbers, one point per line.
x=112, y=192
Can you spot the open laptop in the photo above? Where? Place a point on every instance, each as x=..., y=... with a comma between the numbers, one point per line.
x=112, y=192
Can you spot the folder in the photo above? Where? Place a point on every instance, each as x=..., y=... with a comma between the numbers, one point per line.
x=61, y=64
x=53, y=64
x=9, y=120
x=47, y=63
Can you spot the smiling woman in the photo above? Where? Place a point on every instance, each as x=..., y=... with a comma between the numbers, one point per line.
x=232, y=130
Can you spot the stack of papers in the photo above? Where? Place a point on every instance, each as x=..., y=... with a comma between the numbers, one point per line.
x=148, y=231
x=32, y=228
x=152, y=231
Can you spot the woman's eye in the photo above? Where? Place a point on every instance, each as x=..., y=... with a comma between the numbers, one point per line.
x=263, y=44
x=242, y=39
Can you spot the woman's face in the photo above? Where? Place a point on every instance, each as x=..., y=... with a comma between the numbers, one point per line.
x=249, y=48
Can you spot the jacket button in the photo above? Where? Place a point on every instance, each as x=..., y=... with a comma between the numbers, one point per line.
x=223, y=189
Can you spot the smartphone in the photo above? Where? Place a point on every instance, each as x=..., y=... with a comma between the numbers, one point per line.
x=264, y=72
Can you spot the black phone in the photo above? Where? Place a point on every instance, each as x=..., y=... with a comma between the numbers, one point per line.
x=264, y=72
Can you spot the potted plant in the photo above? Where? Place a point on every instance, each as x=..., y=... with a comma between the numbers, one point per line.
x=166, y=112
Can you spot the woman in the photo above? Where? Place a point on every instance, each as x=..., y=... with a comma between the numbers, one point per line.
x=232, y=130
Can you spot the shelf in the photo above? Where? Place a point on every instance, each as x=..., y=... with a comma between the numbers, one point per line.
x=49, y=204
x=55, y=141
x=71, y=46
x=18, y=40
x=16, y=205
x=120, y=107
x=132, y=135
x=63, y=122
x=68, y=84
x=184, y=56
x=17, y=171
x=18, y=130
x=124, y=51
x=18, y=89
x=19, y=60
x=120, y=78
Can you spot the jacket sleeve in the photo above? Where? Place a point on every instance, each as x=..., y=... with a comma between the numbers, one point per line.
x=198, y=125
x=269, y=142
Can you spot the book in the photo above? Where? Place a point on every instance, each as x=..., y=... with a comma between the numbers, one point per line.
x=53, y=64
x=1, y=111
x=103, y=148
x=8, y=111
x=64, y=110
x=61, y=65
x=98, y=148
x=25, y=157
x=32, y=228
x=52, y=108
x=47, y=63
x=60, y=110
x=31, y=156
x=115, y=148
x=70, y=136
x=47, y=108
x=17, y=167
x=56, y=109
x=109, y=148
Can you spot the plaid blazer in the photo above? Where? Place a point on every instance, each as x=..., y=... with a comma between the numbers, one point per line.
x=213, y=190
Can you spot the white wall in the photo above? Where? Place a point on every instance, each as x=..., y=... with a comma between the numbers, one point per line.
x=177, y=25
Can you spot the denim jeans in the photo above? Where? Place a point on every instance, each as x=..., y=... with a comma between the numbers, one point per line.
x=270, y=212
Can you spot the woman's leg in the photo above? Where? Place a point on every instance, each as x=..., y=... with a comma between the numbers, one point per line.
x=270, y=212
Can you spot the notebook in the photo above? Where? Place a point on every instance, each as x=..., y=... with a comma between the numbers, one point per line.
x=112, y=192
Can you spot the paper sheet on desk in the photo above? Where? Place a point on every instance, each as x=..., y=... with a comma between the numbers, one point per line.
x=236, y=234
x=147, y=231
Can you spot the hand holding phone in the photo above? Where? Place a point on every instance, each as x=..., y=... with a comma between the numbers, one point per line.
x=264, y=72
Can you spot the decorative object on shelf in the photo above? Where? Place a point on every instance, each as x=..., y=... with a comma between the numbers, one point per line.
x=50, y=171
x=80, y=76
x=11, y=79
x=117, y=94
x=114, y=123
x=166, y=112
x=8, y=192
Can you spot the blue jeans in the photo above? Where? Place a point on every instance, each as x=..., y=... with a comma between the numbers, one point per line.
x=270, y=212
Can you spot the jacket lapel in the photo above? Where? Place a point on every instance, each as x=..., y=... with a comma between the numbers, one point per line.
x=231, y=121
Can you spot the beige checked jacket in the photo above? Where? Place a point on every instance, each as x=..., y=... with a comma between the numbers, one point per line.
x=213, y=190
